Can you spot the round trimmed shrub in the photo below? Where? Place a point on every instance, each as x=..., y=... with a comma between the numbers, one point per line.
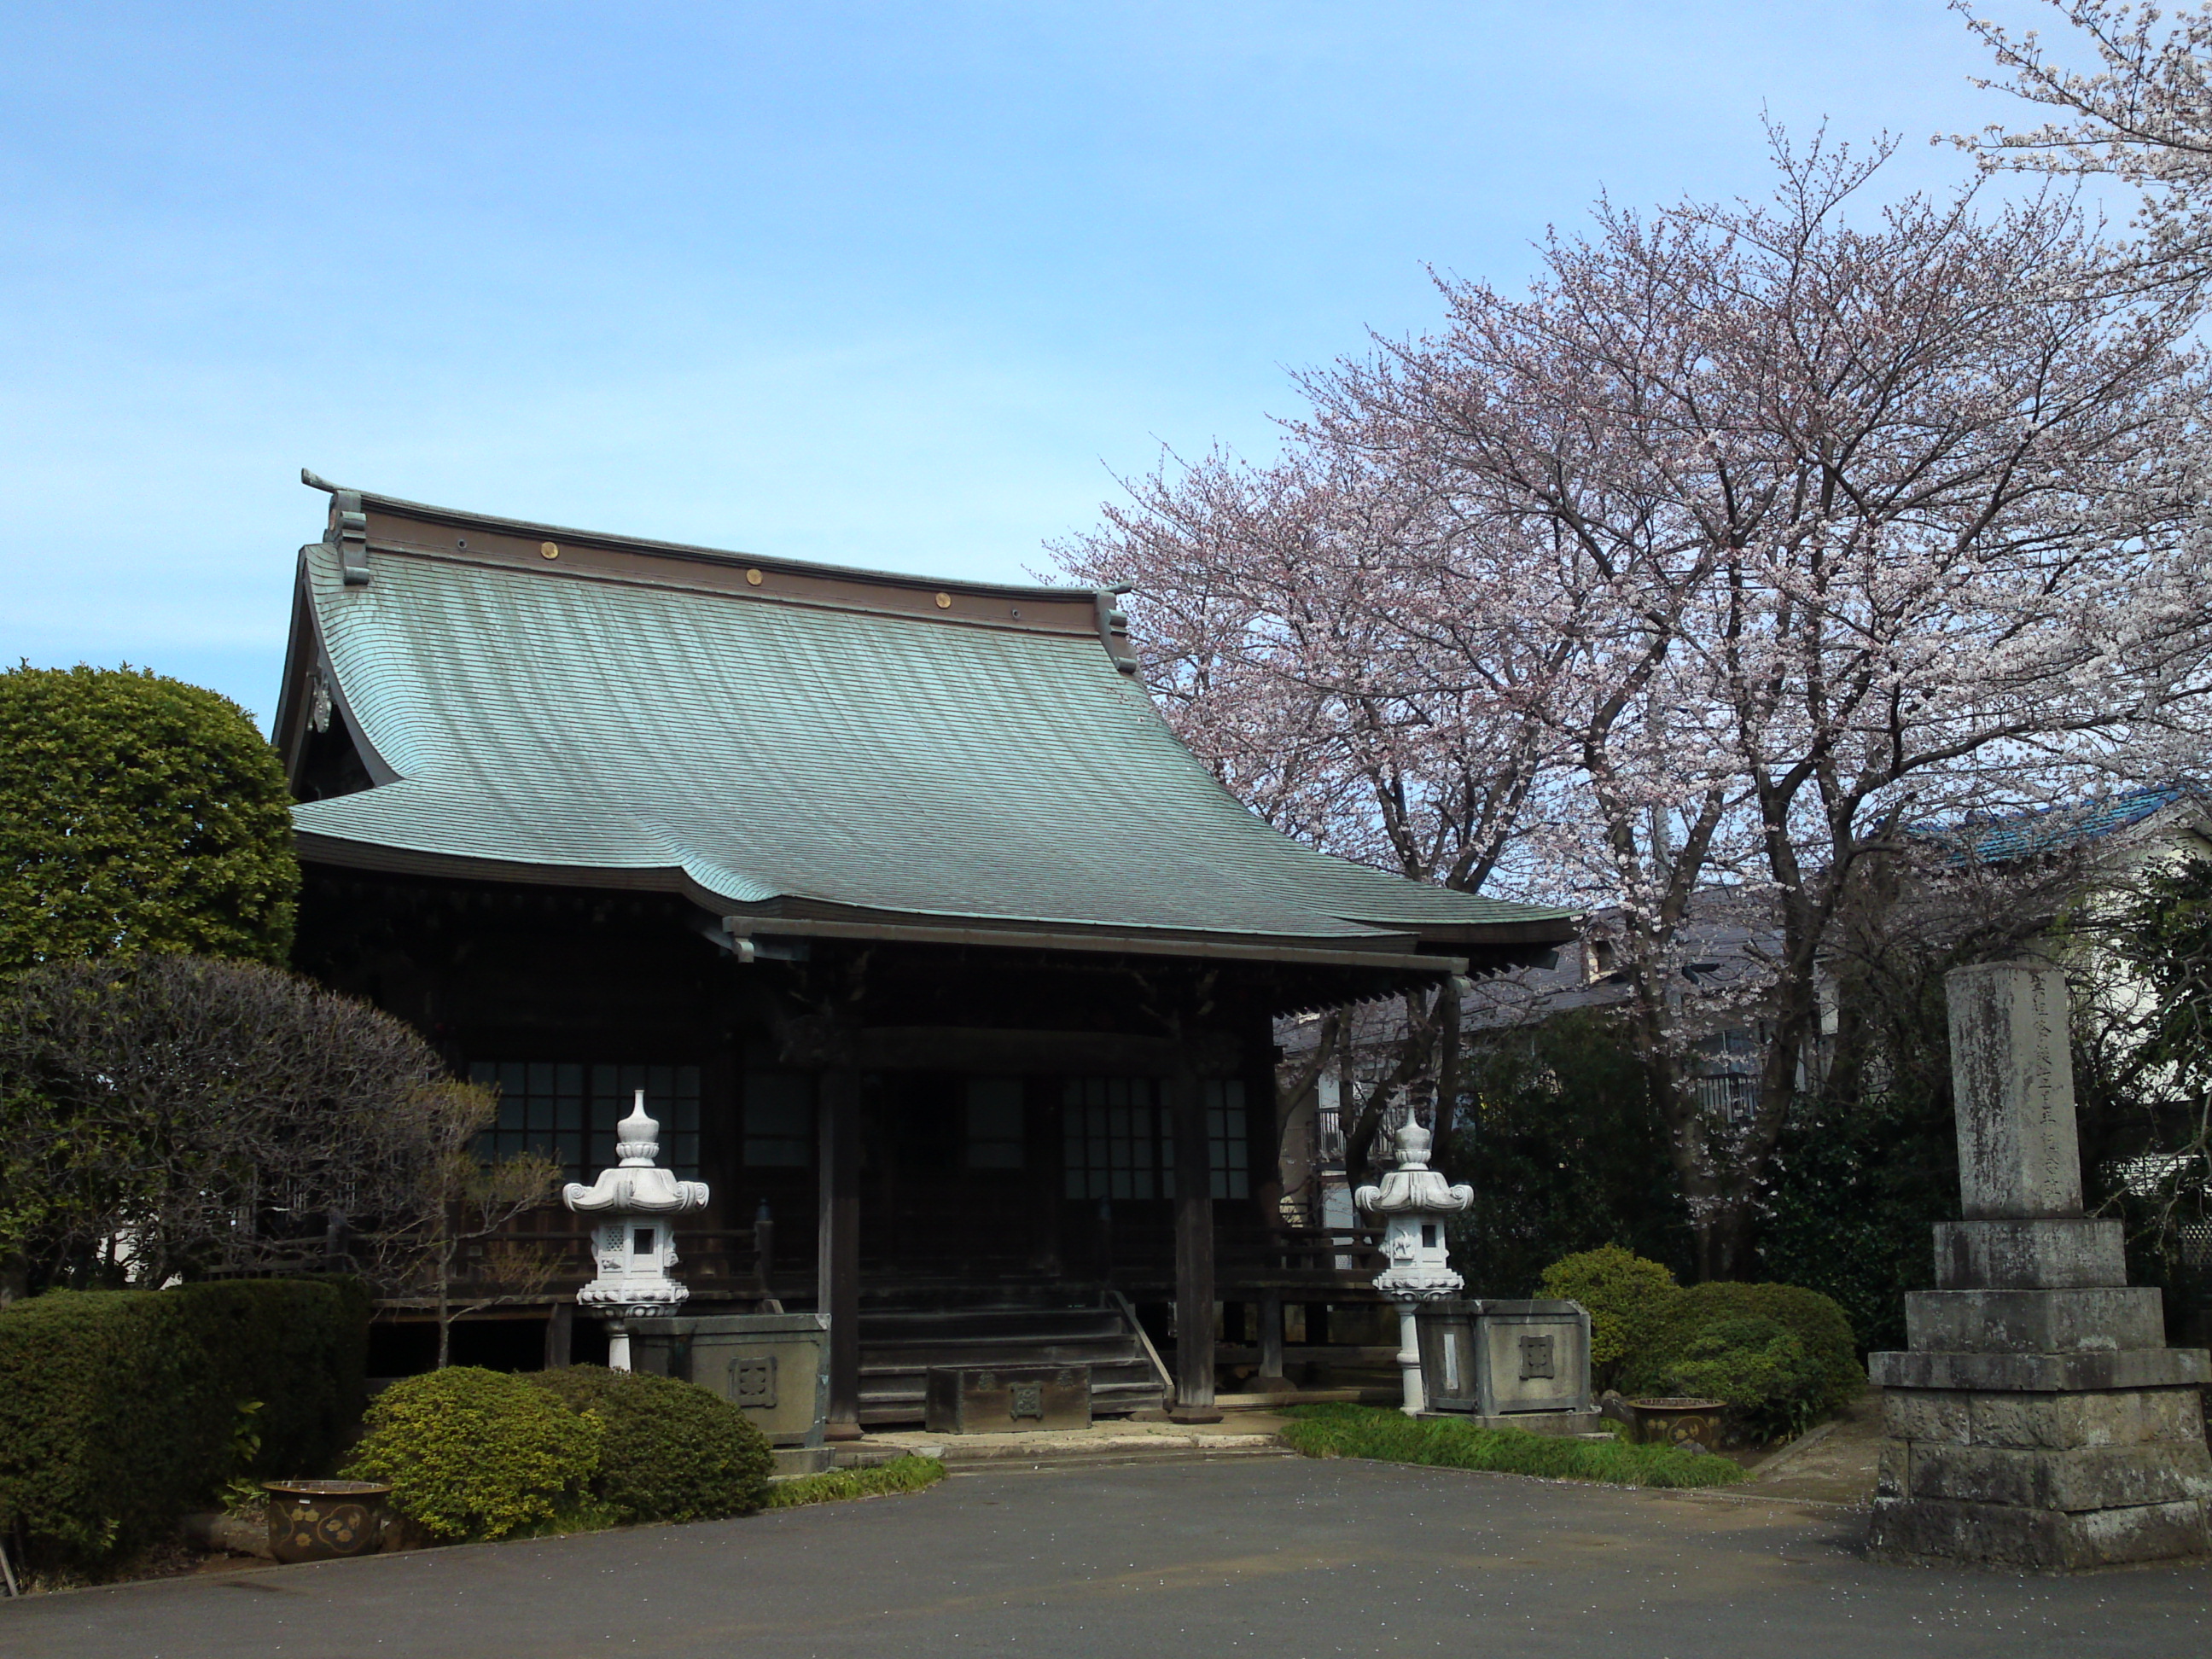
x=673, y=1451
x=1626, y=1295
x=477, y=1454
x=1760, y=1369
x=138, y=813
x=1814, y=1320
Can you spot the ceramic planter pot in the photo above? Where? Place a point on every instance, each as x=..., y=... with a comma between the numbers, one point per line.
x=1680, y=1420
x=327, y=1520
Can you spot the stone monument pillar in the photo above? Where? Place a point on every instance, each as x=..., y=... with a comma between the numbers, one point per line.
x=1414, y=1202
x=632, y=1206
x=2038, y=1418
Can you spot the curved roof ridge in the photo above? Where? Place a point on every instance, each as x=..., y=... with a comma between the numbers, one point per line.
x=531, y=528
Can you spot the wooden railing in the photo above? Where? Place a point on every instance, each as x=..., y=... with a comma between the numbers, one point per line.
x=1313, y=1259
x=1320, y=1263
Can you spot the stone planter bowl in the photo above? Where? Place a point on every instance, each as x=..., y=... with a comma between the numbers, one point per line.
x=1680, y=1420
x=327, y=1520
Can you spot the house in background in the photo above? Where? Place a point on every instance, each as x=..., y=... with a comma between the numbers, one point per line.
x=924, y=936
x=1720, y=946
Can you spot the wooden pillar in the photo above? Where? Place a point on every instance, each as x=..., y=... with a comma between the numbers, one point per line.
x=1193, y=1251
x=1270, y=1309
x=838, y=1254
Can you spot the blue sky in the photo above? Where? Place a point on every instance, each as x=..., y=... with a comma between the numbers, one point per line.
x=898, y=285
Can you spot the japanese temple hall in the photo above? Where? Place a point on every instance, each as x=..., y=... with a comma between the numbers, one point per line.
x=939, y=957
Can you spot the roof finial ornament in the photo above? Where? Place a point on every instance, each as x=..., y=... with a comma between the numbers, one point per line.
x=637, y=1138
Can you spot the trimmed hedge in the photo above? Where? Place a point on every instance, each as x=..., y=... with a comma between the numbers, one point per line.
x=1391, y=1437
x=120, y=1410
x=673, y=1451
x=1814, y=1319
x=477, y=1454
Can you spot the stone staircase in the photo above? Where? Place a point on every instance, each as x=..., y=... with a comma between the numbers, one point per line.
x=900, y=1341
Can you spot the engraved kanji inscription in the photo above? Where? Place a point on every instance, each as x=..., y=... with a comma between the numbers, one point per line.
x=752, y=1383
x=1536, y=1358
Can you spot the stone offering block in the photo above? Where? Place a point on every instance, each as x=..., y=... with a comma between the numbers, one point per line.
x=1007, y=1398
x=775, y=1367
x=1531, y=1357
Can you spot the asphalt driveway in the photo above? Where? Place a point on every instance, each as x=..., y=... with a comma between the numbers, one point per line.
x=1277, y=1557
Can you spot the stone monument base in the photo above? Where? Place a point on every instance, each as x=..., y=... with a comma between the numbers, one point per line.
x=2049, y=1482
x=2044, y=1541
x=2037, y=1455
x=2038, y=1418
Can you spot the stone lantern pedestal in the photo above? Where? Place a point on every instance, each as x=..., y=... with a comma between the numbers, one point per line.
x=1414, y=1202
x=2038, y=1418
x=633, y=1208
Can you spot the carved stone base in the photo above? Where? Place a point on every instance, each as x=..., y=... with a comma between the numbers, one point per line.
x=2038, y=1419
x=2049, y=1541
x=2052, y=1481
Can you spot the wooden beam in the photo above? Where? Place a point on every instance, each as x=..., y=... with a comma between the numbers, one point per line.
x=560, y=1334
x=1193, y=1400
x=837, y=1287
x=1108, y=1053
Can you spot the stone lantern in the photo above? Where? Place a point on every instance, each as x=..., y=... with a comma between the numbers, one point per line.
x=634, y=1207
x=1413, y=1203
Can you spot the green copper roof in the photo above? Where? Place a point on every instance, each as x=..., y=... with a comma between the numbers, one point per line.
x=773, y=756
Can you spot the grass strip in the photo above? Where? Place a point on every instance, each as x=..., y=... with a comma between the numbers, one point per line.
x=878, y=1480
x=1391, y=1437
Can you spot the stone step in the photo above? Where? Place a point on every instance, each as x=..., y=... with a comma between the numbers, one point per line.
x=899, y=1347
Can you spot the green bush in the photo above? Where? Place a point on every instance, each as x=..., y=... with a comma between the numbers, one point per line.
x=1814, y=1320
x=1627, y=1298
x=477, y=1454
x=1756, y=1367
x=138, y=813
x=673, y=1451
x=1391, y=1437
x=121, y=1411
x=877, y=1480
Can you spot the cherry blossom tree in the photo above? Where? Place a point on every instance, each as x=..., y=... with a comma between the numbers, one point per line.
x=1748, y=536
x=1290, y=635
x=2143, y=117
